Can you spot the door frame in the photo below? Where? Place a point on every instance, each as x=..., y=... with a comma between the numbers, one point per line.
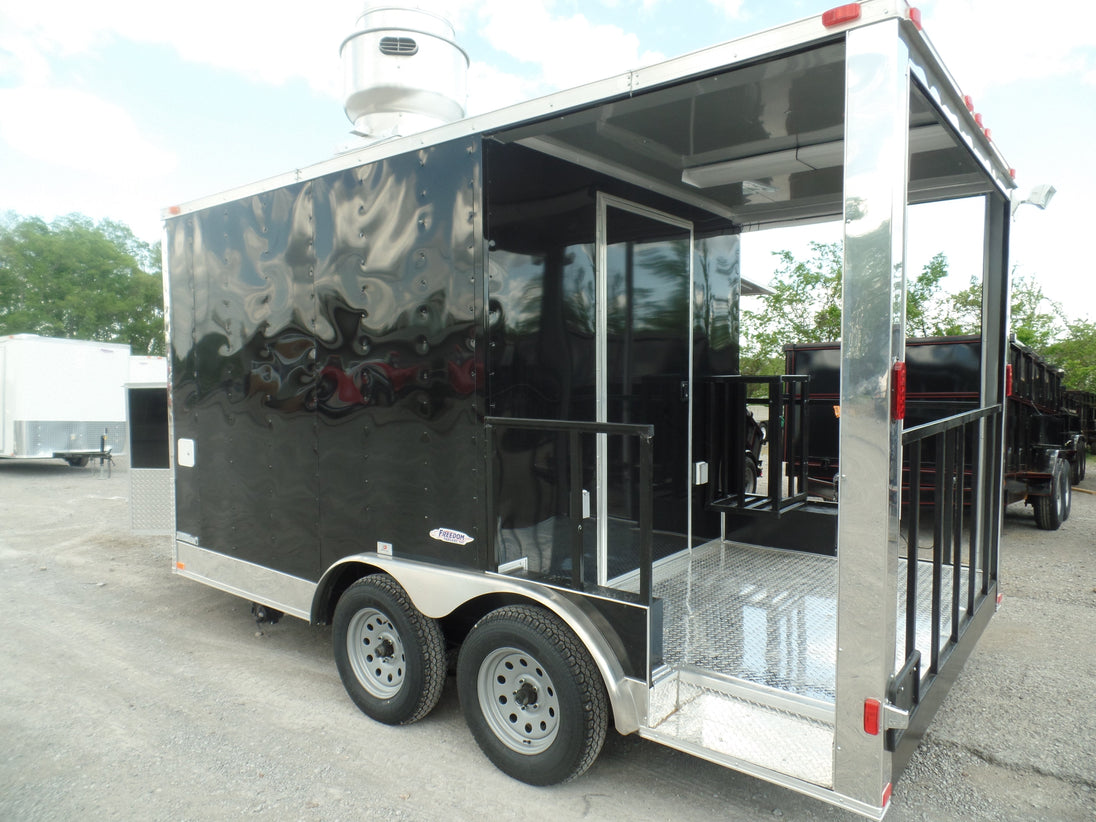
x=601, y=346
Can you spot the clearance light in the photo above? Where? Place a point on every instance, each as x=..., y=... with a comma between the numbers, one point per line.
x=174, y=210
x=1012, y=173
x=898, y=392
x=841, y=15
x=988, y=134
x=871, y=716
x=969, y=102
x=180, y=566
x=1008, y=380
x=978, y=120
x=915, y=18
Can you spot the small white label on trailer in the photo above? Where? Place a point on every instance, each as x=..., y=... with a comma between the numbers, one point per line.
x=184, y=453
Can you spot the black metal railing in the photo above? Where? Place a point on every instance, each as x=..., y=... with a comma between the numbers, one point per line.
x=728, y=441
x=574, y=432
x=951, y=468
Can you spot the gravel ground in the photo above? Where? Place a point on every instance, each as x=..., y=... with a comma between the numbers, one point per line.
x=129, y=693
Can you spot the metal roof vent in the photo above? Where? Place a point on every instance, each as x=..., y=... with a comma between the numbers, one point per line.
x=399, y=46
x=403, y=72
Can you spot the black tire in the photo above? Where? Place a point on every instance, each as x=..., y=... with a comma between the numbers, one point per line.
x=532, y=695
x=77, y=462
x=750, y=475
x=1052, y=510
x=391, y=658
x=1076, y=468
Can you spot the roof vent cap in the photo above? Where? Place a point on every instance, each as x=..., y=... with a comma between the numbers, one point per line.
x=402, y=73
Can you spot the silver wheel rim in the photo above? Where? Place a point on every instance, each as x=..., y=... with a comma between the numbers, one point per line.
x=519, y=700
x=376, y=653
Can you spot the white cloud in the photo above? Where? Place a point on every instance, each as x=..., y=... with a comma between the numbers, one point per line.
x=566, y=51
x=730, y=8
x=490, y=89
x=78, y=130
x=245, y=36
x=990, y=43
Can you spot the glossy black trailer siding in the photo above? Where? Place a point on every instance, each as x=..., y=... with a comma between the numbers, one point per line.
x=336, y=344
x=324, y=360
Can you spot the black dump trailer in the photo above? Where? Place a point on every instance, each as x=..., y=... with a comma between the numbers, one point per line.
x=1045, y=445
x=1080, y=406
x=473, y=394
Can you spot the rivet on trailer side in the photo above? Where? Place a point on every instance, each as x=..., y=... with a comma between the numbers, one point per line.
x=477, y=389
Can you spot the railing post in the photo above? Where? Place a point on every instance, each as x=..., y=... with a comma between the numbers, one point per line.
x=913, y=539
x=938, y=540
x=575, y=456
x=646, y=468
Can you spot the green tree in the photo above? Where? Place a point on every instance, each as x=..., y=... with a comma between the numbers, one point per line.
x=1076, y=353
x=806, y=307
x=76, y=279
x=1036, y=320
x=924, y=299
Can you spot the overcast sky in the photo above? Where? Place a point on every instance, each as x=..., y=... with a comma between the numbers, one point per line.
x=119, y=108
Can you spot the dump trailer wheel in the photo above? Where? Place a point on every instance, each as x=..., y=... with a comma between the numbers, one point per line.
x=532, y=695
x=391, y=658
x=750, y=475
x=1067, y=494
x=1052, y=510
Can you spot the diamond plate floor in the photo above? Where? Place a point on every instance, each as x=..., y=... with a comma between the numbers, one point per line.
x=750, y=636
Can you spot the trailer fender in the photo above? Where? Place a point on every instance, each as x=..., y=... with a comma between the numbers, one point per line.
x=1044, y=459
x=439, y=591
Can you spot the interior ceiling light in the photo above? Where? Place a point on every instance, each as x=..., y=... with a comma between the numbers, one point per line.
x=803, y=158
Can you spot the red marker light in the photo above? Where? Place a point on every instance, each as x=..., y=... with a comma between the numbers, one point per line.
x=988, y=132
x=898, y=392
x=871, y=716
x=887, y=794
x=841, y=15
x=915, y=18
x=978, y=120
x=969, y=102
x=1012, y=173
x=1008, y=380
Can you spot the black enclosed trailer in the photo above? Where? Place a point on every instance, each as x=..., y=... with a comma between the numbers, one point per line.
x=1044, y=446
x=475, y=388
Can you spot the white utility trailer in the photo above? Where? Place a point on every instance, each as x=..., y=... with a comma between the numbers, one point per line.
x=477, y=389
x=61, y=399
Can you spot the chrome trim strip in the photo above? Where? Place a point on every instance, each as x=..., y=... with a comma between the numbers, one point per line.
x=877, y=105
x=774, y=777
x=289, y=594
